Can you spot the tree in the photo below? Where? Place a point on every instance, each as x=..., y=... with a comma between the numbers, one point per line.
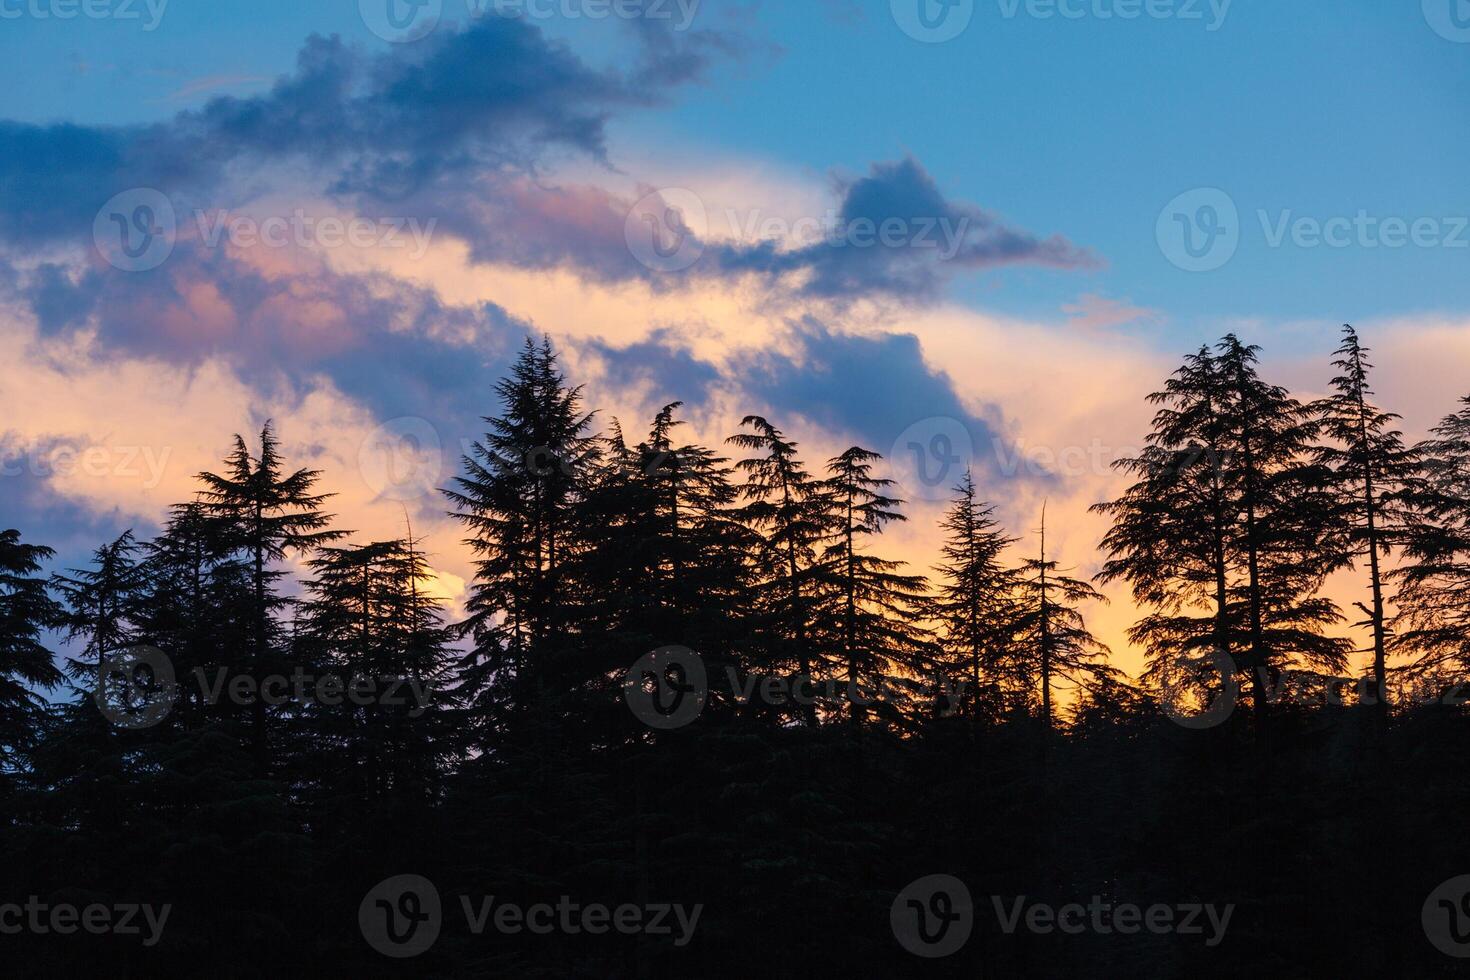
x=264, y=514
x=786, y=508
x=1175, y=529
x=870, y=610
x=1053, y=633
x=518, y=499
x=974, y=601
x=1433, y=621
x=104, y=605
x=1372, y=471
x=27, y=610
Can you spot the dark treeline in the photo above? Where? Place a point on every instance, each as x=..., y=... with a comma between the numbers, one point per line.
x=1325, y=807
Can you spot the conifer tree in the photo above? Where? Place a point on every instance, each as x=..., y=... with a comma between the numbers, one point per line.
x=518, y=500
x=974, y=601
x=871, y=610
x=1433, y=620
x=27, y=610
x=264, y=514
x=1053, y=638
x=1372, y=470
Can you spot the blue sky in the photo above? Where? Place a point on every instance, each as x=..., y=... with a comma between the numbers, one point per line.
x=1085, y=126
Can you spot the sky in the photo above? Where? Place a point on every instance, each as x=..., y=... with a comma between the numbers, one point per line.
x=959, y=232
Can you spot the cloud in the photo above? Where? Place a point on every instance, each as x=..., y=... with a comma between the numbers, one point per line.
x=1094, y=312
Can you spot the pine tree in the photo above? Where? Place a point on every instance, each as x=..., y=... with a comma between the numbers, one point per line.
x=264, y=514
x=871, y=611
x=1289, y=541
x=974, y=600
x=103, y=606
x=1175, y=530
x=27, y=610
x=786, y=508
x=1054, y=641
x=1372, y=470
x=1433, y=621
x=519, y=500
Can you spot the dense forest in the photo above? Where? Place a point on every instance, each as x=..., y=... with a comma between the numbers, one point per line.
x=814, y=724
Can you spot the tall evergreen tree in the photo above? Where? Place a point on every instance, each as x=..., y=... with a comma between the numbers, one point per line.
x=786, y=507
x=103, y=606
x=1433, y=621
x=1054, y=641
x=518, y=500
x=1372, y=470
x=871, y=611
x=265, y=513
x=974, y=601
x=27, y=610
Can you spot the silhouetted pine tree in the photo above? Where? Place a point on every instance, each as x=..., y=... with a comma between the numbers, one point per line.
x=27, y=611
x=1433, y=621
x=1290, y=530
x=974, y=601
x=1051, y=631
x=785, y=506
x=1372, y=470
x=519, y=500
x=103, y=606
x=870, y=612
x=1175, y=530
x=264, y=514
